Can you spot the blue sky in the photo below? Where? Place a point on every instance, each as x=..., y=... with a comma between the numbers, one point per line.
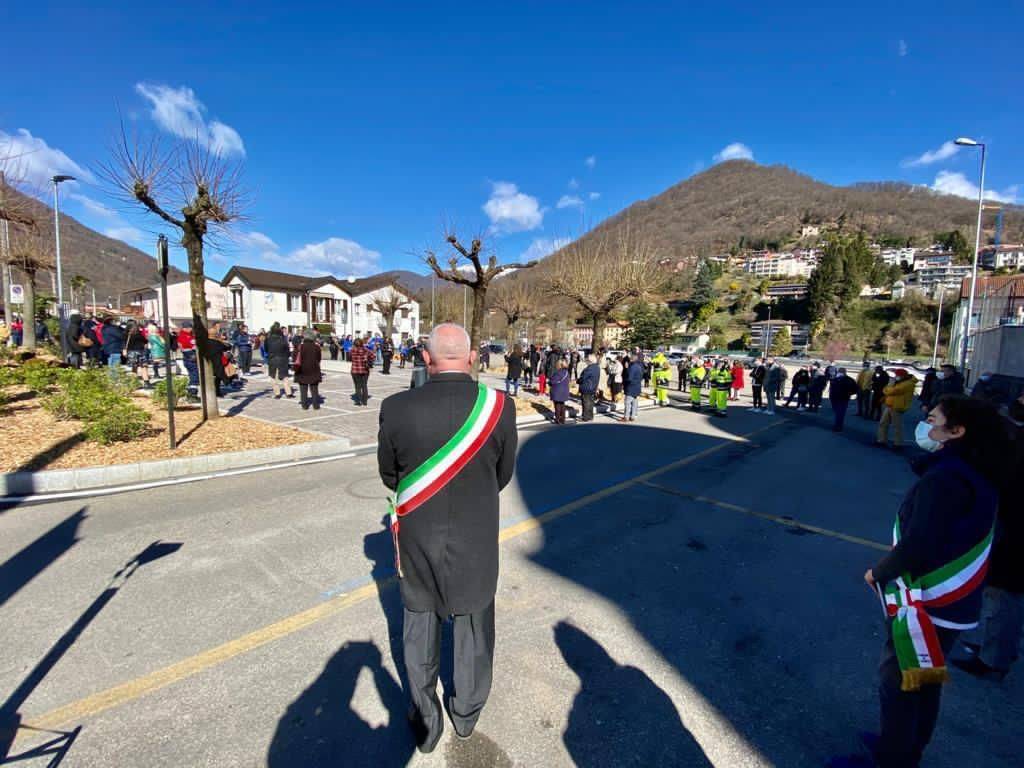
x=363, y=127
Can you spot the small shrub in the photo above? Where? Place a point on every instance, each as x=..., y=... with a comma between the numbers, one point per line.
x=121, y=421
x=180, y=391
x=38, y=375
x=123, y=383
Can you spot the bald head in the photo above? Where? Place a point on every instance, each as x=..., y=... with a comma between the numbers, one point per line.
x=448, y=349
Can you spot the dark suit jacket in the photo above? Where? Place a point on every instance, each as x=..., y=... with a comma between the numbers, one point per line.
x=448, y=545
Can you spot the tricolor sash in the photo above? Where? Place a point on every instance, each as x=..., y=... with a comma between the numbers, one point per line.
x=913, y=631
x=437, y=471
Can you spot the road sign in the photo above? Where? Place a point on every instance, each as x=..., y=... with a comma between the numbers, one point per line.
x=17, y=294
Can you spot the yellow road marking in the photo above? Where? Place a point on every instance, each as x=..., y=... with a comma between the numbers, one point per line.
x=133, y=689
x=787, y=521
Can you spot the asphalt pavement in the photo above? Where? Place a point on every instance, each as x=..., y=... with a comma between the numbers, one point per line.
x=681, y=591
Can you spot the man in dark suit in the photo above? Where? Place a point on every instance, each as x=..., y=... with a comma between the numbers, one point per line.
x=446, y=525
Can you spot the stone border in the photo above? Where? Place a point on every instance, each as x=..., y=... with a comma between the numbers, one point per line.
x=19, y=484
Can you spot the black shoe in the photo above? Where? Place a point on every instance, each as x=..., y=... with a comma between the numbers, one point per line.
x=460, y=734
x=277, y=396
x=305, y=407
x=979, y=669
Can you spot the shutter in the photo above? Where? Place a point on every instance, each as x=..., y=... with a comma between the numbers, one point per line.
x=305, y=303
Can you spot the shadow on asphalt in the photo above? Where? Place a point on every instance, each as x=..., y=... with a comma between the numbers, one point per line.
x=620, y=716
x=321, y=728
x=10, y=710
x=32, y=560
x=746, y=614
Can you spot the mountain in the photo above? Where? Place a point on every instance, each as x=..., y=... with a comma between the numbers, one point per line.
x=417, y=283
x=711, y=211
x=111, y=266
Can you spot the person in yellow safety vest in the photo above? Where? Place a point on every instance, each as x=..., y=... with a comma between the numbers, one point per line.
x=661, y=372
x=720, y=384
x=697, y=374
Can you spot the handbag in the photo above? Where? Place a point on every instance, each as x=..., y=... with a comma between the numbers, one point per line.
x=297, y=362
x=84, y=341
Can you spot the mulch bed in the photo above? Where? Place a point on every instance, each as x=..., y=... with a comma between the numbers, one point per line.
x=31, y=439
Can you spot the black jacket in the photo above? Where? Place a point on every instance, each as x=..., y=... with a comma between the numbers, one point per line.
x=590, y=378
x=515, y=365
x=449, y=544
x=1006, y=568
x=842, y=388
x=551, y=363
x=308, y=357
x=879, y=381
x=279, y=351
x=945, y=514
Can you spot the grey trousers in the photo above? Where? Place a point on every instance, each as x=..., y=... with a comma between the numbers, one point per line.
x=999, y=633
x=473, y=652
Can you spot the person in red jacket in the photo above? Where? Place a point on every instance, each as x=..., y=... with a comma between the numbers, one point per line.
x=737, y=380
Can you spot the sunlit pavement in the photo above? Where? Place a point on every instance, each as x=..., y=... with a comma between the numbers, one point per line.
x=682, y=591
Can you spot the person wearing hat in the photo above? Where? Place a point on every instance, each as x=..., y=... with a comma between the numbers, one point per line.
x=898, y=397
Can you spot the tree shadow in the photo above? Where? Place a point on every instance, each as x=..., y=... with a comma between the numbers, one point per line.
x=620, y=716
x=46, y=457
x=321, y=728
x=32, y=560
x=10, y=710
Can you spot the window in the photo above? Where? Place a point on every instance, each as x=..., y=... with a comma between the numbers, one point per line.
x=295, y=302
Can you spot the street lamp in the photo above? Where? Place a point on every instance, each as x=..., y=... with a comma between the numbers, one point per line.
x=56, y=226
x=966, y=142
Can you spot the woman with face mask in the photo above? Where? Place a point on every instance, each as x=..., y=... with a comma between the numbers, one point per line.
x=931, y=581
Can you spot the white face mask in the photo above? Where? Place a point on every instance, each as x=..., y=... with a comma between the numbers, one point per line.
x=923, y=440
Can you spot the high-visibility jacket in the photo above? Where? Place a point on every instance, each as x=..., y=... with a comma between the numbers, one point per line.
x=660, y=369
x=697, y=375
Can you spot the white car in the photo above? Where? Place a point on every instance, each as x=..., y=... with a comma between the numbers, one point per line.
x=613, y=353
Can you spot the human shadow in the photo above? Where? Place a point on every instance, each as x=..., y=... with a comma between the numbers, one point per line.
x=379, y=549
x=749, y=616
x=321, y=728
x=50, y=454
x=620, y=716
x=10, y=709
x=29, y=562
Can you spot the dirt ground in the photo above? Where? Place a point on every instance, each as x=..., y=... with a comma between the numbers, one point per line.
x=31, y=439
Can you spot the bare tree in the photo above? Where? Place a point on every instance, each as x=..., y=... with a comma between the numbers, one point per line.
x=14, y=209
x=478, y=278
x=30, y=251
x=389, y=305
x=515, y=300
x=602, y=272
x=205, y=188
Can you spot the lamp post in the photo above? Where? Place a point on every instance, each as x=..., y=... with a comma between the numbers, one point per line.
x=57, y=180
x=966, y=142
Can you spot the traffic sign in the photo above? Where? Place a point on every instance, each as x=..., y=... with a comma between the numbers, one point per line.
x=17, y=294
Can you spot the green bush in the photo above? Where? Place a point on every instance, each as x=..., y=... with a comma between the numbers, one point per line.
x=180, y=390
x=122, y=421
x=122, y=382
x=94, y=397
x=37, y=375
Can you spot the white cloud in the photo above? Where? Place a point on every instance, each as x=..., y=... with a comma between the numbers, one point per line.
x=94, y=206
x=126, y=234
x=594, y=195
x=334, y=256
x=511, y=210
x=178, y=111
x=734, y=151
x=946, y=151
x=30, y=159
x=573, y=184
x=257, y=242
x=903, y=49
x=569, y=201
x=949, y=183
x=544, y=246
x=591, y=161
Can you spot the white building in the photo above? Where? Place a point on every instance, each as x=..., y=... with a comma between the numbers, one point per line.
x=179, y=299
x=261, y=297
x=691, y=344
x=778, y=265
x=810, y=230
x=1002, y=257
x=897, y=257
x=932, y=259
x=931, y=280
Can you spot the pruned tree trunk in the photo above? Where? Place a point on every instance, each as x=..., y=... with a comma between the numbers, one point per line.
x=598, y=337
x=28, y=312
x=477, y=323
x=200, y=325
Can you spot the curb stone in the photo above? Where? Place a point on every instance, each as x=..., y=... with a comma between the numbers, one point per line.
x=92, y=478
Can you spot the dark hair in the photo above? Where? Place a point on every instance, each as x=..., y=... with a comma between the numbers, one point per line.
x=984, y=444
